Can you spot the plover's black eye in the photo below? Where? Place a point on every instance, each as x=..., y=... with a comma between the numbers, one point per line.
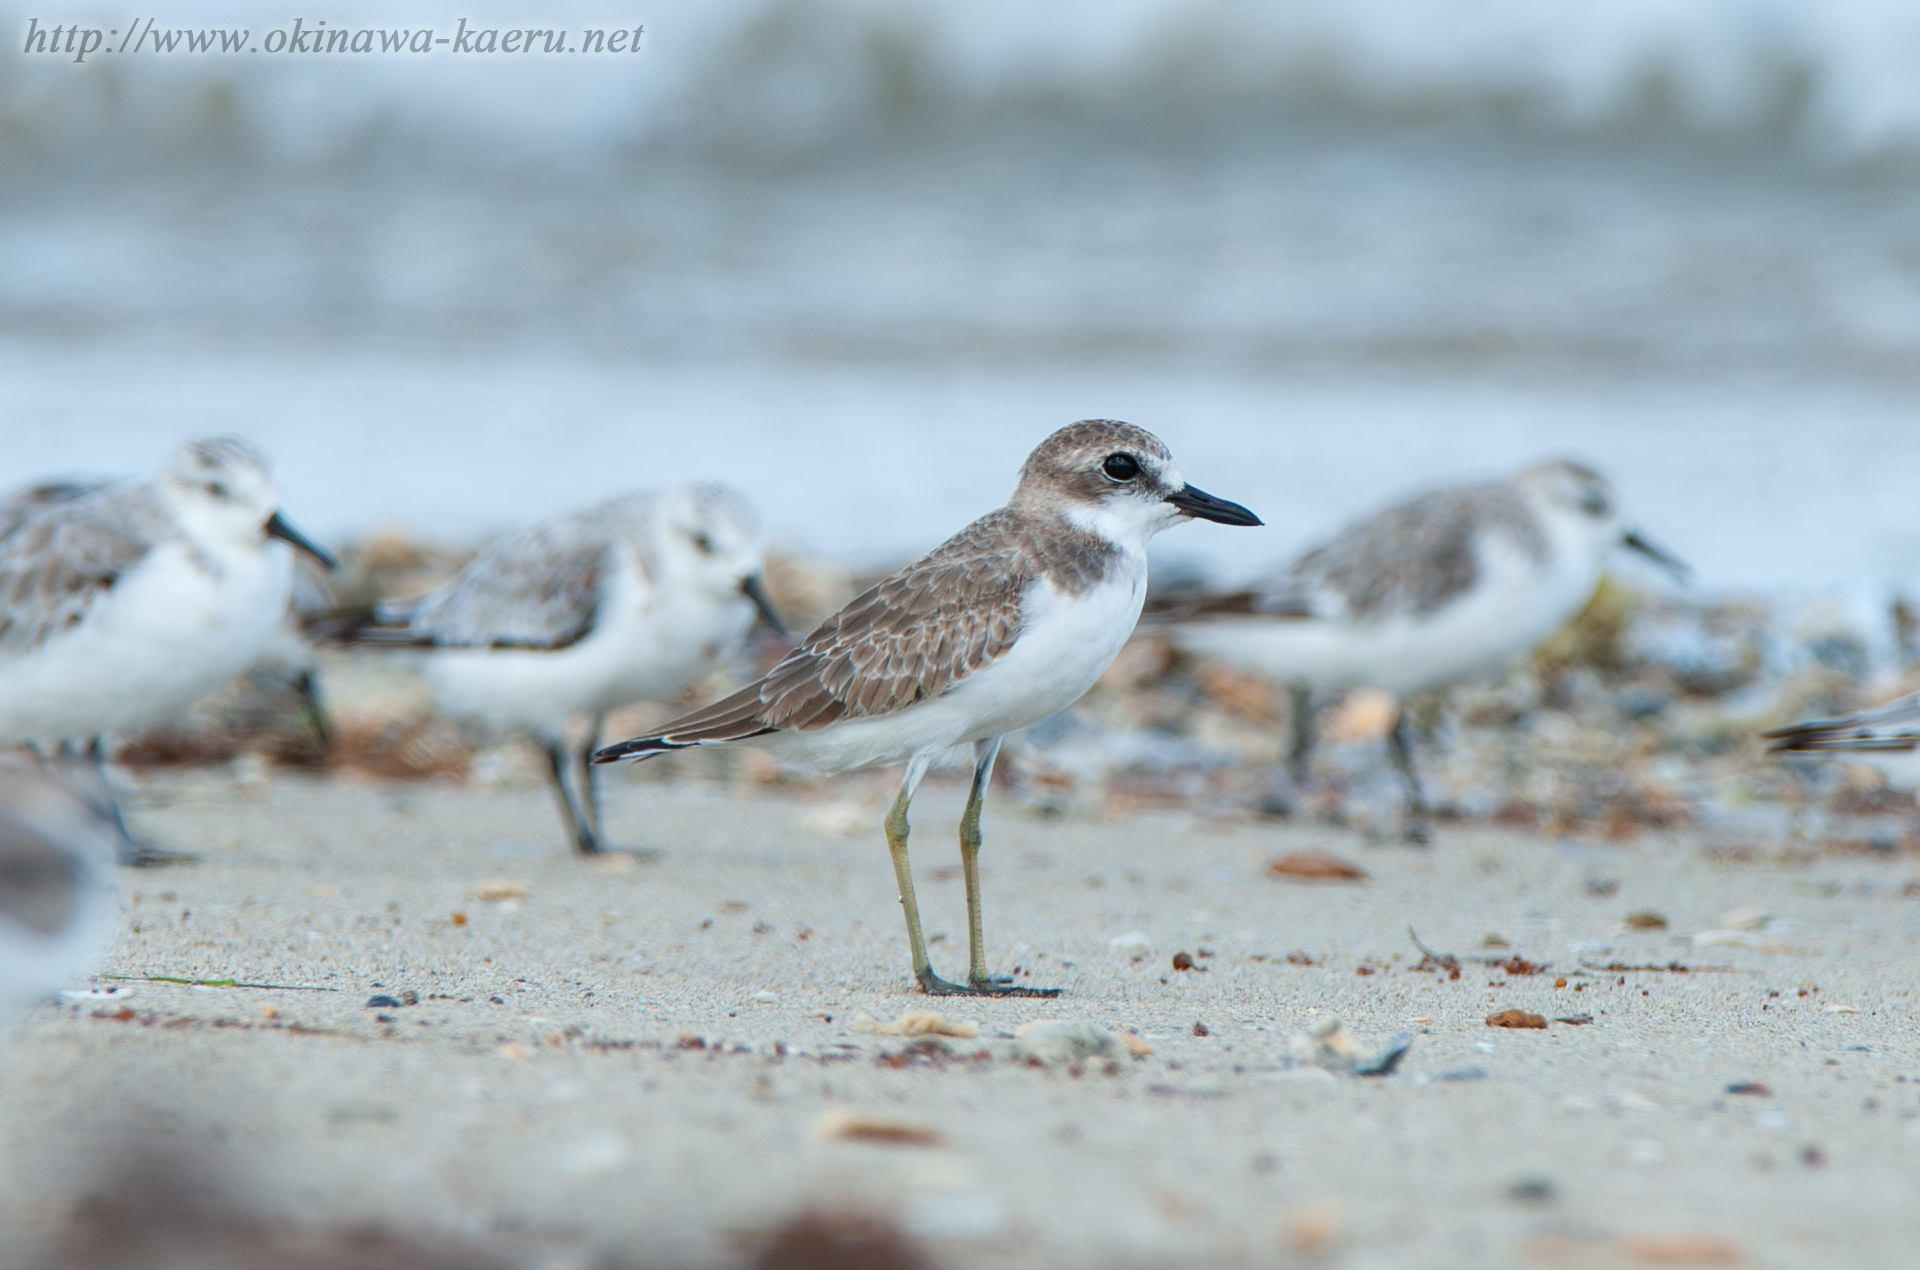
x=216, y=489
x=1121, y=467
x=704, y=543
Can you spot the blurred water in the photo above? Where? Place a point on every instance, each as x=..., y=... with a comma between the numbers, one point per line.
x=859, y=257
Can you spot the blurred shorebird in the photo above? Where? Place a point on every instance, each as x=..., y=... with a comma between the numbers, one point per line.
x=1886, y=739
x=1454, y=584
x=1007, y=622
x=58, y=904
x=631, y=599
x=122, y=603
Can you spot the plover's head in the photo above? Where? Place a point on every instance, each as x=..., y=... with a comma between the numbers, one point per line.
x=713, y=541
x=1575, y=494
x=221, y=489
x=1117, y=481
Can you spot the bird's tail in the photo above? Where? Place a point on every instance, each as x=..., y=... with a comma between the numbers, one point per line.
x=733, y=718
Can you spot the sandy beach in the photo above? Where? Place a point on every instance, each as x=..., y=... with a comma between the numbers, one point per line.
x=659, y=1062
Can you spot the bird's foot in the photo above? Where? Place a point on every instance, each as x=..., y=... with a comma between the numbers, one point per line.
x=602, y=851
x=144, y=855
x=934, y=986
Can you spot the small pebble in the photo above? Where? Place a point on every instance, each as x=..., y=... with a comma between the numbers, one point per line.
x=382, y=1002
x=1516, y=1019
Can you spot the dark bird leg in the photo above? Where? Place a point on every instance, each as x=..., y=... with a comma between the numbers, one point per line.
x=584, y=839
x=313, y=712
x=99, y=791
x=587, y=777
x=1300, y=752
x=586, y=787
x=1284, y=793
x=1400, y=741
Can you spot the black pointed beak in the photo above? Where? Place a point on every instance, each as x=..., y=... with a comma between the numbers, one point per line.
x=1197, y=502
x=755, y=590
x=1632, y=541
x=278, y=527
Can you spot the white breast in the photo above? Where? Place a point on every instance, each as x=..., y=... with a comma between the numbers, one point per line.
x=174, y=628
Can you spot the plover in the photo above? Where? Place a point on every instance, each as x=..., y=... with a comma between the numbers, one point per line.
x=124, y=602
x=628, y=600
x=1886, y=739
x=1454, y=584
x=1004, y=624
x=58, y=905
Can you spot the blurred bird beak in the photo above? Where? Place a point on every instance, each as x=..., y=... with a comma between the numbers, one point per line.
x=1672, y=564
x=1197, y=502
x=278, y=527
x=755, y=590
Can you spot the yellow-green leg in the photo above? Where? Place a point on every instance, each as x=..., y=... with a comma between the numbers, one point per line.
x=979, y=984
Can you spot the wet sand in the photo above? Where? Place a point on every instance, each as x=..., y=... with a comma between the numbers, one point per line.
x=636, y=1060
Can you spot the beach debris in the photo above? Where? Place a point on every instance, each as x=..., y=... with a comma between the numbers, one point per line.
x=1184, y=961
x=1680, y=1250
x=843, y=1239
x=220, y=983
x=1315, y=866
x=764, y=997
x=1842, y=1009
x=1056, y=1042
x=495, y=890
x=838, y=820
x=85, y=996
x=1533, y=1189
x=1200, y=1029
x=1136, y=1044
x=1749, y=917
x=1367, y=714
x=852, y=1125
x=1134, y=946
x=382, y=1002
x=914, y=1023
x=1516, y=1019
x=1575, y=1020
x=1316, y=1228
x=1644, y=919
x=1728, y=939
x=1329, y=1045
x=1494, y=939
x=1751, y=1088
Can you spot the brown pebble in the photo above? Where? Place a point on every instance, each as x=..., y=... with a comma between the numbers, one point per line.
x=1516, y=1018
x=1315, y=866
x=1181, y=961
x=1200, y=1029
x=1753, y=1088
x=1646, y=919
x=1561, y=982
x=1680, y=1250
x=863, y=1126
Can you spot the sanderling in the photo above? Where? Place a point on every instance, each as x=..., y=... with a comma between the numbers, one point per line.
x=124, y=602
x=58, y=904
x=1450, y=585
x=1004, y=624
x=631, y=599
x=1886, y=739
